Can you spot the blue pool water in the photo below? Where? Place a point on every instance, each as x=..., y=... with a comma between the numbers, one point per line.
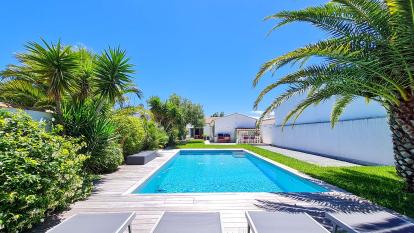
x=198, y=171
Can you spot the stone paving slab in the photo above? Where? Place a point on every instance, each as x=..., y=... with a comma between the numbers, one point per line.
x=310, y=158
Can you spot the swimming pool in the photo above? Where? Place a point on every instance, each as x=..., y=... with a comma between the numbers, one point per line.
x=207, y=171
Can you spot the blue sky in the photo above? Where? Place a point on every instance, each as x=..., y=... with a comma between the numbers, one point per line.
x=205, y=50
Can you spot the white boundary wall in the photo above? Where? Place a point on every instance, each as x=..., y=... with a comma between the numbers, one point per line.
x=362, y=134
x=35, y=115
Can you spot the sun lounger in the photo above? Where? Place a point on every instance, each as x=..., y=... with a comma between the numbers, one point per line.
x=189, y=222
x=95, y=222
x=274, y=222
x=370, y=222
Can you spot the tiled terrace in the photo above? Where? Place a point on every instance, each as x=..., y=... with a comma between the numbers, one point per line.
x=110, y=196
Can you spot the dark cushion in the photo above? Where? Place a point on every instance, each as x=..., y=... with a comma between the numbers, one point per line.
x=141, y=158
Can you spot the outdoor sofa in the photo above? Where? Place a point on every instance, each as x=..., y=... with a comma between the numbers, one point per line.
x=223, y=138
x=141, y=158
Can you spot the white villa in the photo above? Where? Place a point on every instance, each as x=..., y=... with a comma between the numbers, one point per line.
x=227, y=125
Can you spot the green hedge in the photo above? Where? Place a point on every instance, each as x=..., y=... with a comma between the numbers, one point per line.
x=131, y=133
x=138, y=133
x=39, y=172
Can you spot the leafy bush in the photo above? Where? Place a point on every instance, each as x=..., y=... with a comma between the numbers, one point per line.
x=156, y=137
x=138, y=131
x=39, y=172
x=108, y=160
x=174, y=114
x=131, y=133
x=91, y=122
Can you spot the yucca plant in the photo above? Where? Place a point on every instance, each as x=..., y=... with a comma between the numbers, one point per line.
x=50, y=73
x=113, y=76
x=369, y=54
x=96, y=128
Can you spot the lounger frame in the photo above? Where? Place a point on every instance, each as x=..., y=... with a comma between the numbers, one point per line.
x=120, y=229
x=162, y=215
x=251, y=226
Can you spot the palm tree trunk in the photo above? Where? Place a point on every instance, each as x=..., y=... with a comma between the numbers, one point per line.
x=58, y=106
x=401, y=120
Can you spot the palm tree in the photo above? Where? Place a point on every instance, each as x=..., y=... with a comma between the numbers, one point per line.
x=24, y=94
x=47, y=67
x=50, y=73
x=369, y=54
x=85, y=74
x=113, y=76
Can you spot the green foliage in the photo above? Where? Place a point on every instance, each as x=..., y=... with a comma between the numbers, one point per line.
x=156, y=137
x=107, y=159
x=369, y=54
x=138, y=131
x=131, y=131
x=97, y=130
x=175, y=114
x=39, y=172
x=379, y=184
x=218, y=114
x=113, y=75
x=23, y=93
x=49, y=73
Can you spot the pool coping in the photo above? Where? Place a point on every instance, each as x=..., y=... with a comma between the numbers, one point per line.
x=331, y=188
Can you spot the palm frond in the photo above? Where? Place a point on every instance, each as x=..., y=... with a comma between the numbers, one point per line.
x=339, y=107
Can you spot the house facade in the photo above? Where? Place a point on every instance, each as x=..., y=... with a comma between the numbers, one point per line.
x=228, y=125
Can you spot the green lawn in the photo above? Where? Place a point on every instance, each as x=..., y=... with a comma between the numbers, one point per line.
x=378, y=184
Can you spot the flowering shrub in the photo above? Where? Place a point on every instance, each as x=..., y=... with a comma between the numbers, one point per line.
x=39, y=172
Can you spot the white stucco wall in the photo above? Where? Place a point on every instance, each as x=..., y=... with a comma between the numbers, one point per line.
x=207, y=130
x=365, y=141
x=229, y=124
x=362, y=134
x=35, y=115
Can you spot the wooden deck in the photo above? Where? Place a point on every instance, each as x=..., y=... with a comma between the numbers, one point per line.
x=109, y=196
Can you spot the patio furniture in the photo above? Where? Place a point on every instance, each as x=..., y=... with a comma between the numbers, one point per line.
x=141, y=158
x=272, y=222
x=370, y=222
x=95, y=222
x=189, y=222
x=223, y=138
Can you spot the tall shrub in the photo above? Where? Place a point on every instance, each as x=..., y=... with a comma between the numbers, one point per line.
x=95, y=127
x=39, y=172
x=131, y=132
x=155, y=136
x=137, y=131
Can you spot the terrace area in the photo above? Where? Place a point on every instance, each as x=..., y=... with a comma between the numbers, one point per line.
x=112, y=194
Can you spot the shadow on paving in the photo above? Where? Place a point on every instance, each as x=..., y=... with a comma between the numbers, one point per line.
x=317, y=204
x=381, y=189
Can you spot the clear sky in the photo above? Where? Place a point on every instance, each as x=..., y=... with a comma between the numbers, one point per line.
x=205, y=50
